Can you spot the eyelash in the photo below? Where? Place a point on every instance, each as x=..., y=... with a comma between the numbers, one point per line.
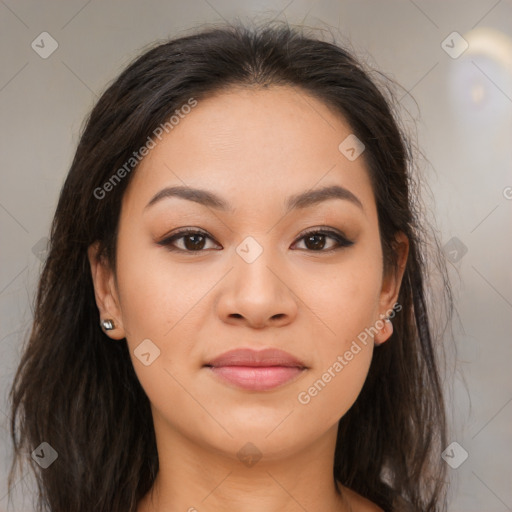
x=340, y=239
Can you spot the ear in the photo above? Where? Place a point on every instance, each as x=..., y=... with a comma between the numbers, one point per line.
x=391, y=283
x=105, y=292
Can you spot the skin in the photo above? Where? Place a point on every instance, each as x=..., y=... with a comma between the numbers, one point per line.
x=254, y=148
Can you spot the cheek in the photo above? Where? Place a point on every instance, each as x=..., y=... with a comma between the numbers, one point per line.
x=157, y=305
x=348, y=298
x=162, y=304
x=153, y=296
x=343, y=356
x=347, y=304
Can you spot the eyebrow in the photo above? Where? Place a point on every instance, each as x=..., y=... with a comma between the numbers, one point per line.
x=299, y=201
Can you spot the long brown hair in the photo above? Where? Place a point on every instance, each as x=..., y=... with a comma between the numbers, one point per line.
x=77, y=391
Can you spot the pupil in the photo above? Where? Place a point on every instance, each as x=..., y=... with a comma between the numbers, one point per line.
x=317, y=245
x=194, y=245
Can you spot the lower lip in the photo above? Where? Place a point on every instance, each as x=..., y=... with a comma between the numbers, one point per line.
x=257, y=378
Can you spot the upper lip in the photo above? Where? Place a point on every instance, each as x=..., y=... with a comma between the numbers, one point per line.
x=250, y=357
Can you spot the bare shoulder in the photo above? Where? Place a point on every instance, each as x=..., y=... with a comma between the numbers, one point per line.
x=358, y=503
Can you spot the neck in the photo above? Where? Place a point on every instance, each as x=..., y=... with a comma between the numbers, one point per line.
x=196, y=478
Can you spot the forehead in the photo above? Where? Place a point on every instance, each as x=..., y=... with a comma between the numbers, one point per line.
x=253, y=145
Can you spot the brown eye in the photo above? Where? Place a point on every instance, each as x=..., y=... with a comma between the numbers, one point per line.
x=316, y=240
x=193, y=241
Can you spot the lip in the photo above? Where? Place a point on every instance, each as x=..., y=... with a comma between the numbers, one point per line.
x=250, y=357
x=256, y=370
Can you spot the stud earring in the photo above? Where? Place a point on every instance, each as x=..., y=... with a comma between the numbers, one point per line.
x=107, y=324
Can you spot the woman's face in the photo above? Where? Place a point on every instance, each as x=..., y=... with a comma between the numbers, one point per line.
x=250, y=276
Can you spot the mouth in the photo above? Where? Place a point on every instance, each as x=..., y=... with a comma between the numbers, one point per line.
x=256, y=370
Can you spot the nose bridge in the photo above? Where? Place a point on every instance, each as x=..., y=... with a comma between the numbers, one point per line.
x=258, y=262
x=256, y=291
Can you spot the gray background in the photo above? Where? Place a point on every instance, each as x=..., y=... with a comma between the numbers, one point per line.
x=464, y=119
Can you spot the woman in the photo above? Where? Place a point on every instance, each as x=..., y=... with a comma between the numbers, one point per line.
x=233, y=314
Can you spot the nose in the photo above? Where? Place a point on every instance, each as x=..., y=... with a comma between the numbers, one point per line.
x=258, y=294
